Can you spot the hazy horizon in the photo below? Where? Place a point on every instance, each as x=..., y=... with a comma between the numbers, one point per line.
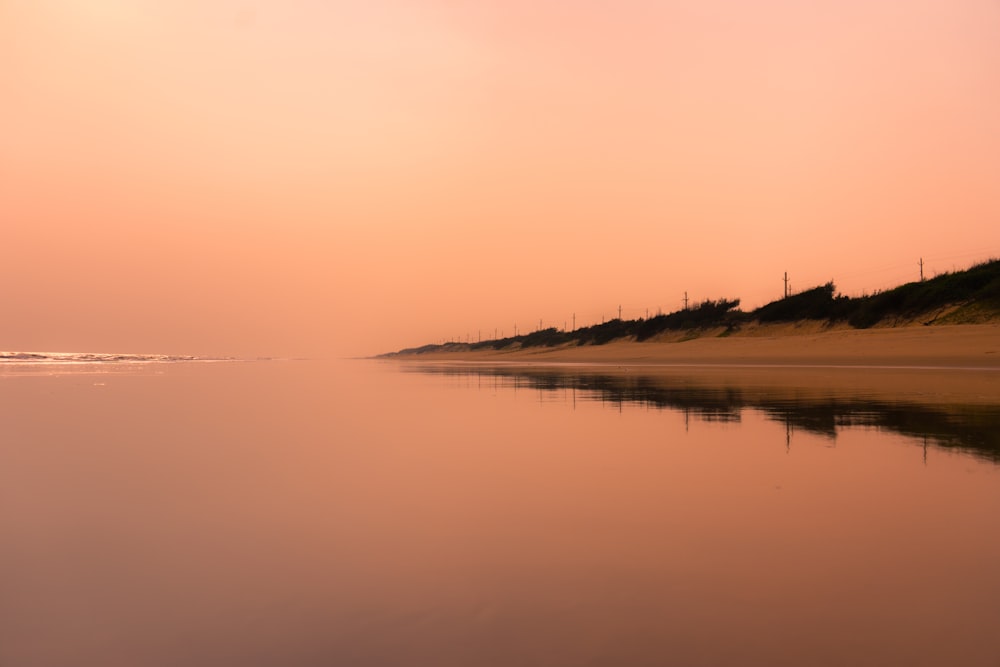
x=234, y=178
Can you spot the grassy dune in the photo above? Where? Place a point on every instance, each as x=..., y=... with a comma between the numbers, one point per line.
x=971, y=296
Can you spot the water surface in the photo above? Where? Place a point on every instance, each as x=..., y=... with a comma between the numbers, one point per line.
x=363, y=513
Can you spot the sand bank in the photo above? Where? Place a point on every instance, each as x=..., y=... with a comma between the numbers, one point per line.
x=940, y=364
x=953, y=346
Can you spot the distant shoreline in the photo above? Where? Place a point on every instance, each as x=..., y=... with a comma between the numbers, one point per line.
x=951, y=320
x=959, y=346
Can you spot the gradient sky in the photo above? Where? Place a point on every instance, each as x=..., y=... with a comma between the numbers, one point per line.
x=324, y=178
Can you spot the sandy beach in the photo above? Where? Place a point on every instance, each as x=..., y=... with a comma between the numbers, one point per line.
x=953, y=346
x=950, y=364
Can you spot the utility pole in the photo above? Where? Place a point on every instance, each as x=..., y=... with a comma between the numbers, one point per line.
x=786, y=284
x=921, y=269
x=685, y=300
x=647, y=313
x=574, y=321
x=619, y=311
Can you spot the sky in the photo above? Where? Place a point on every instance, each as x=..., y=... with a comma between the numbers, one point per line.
x=343, y=178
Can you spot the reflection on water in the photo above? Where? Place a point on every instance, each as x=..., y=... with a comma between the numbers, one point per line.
x=312, y=514
x=971, y=428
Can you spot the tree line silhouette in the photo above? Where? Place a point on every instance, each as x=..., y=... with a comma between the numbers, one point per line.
x=975, y=292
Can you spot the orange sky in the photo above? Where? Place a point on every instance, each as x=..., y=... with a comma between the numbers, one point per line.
x=330, y=178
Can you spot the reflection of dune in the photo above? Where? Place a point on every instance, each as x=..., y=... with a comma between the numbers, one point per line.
x=838, y=399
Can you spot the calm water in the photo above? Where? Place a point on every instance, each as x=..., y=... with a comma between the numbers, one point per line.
x=359, y=513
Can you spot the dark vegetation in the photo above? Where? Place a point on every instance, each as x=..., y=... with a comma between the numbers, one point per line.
x=974, y=293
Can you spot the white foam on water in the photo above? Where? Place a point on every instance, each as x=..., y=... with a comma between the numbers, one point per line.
x=76, y=358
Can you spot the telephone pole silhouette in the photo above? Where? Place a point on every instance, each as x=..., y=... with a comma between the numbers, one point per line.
x=685, y=300
x=619, y=311
x=786, y=284
x=921, y=269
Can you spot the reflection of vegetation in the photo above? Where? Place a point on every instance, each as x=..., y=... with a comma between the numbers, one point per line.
x=974, y=294
x=974, y=429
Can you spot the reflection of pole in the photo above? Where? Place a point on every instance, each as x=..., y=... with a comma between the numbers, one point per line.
x=925, y=450
x=788, y=435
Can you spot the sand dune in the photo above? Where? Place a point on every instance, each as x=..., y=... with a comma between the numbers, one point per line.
x=945, y=346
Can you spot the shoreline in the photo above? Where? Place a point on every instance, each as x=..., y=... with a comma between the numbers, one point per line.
x=955, y=347
x=953, y=364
